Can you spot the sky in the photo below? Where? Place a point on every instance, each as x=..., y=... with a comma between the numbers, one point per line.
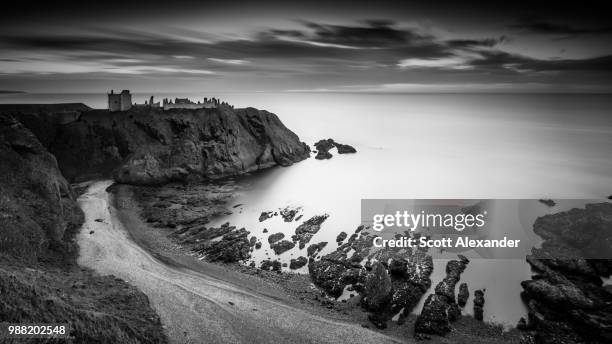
x=309, y=46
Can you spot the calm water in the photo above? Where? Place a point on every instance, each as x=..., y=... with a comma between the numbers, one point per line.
x=425, y=146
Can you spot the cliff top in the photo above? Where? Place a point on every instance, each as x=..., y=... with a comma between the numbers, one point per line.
x=40, y=108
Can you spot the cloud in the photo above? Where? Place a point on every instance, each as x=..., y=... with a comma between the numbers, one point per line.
x=228, y=61
x=310, y=55
x=544, y=27
x=455, y=62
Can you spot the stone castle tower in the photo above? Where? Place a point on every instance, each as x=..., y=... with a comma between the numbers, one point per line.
x=119, y=101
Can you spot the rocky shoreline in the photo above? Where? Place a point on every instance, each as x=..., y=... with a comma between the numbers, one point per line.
x=380, y=285
x=567, y=301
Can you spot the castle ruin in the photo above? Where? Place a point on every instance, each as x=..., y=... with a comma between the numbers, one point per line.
x=119, y=101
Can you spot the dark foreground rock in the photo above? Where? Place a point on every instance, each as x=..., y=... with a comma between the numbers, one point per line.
x=275, y=237
x=298, y=263
x=233, y=247
x=386, y=288
x=566, y=300
x=463, y=295
x=440, y=308
x=39, y=278
x=148, y=145
x=479, y=304
x=323, y=147
x=314, y=249
x=282, y=246
x=271, y=265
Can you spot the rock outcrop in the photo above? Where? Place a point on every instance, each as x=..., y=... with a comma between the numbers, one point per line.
x=393, y=284
x=479, y=304
x=298, y=263
x=275, y=237
x=283, y=246
x=463, y=295
x=153, y=146
x=566, y=300
x=440, y=308
x=314, y=249
x=305, y=231
x=323, y=147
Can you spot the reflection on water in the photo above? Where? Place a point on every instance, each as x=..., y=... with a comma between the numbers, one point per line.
x=426, y=146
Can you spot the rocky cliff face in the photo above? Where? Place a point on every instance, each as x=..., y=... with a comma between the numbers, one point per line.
x=39, y=279
x=38, y=211
x=151, y=146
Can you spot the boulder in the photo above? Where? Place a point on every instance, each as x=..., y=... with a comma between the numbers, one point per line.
x=463, y=295
x=305, y=231
x=282, y=246
x=479, y=304
x=298, y=263
x=275, y=237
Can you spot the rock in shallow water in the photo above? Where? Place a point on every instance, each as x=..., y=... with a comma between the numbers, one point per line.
x=305, y=231
x=275, y=237
x=479, y=304
x=282, y=246
x=566, y=300
x=440, y=308
x=323, y=147
x=298, y=263
x=463, y=295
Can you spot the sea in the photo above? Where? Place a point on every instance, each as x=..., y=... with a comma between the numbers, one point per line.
x=515, y=148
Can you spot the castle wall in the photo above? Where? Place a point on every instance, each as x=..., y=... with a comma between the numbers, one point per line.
x=188, y=106
x=126, y=101
x=114, y=102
